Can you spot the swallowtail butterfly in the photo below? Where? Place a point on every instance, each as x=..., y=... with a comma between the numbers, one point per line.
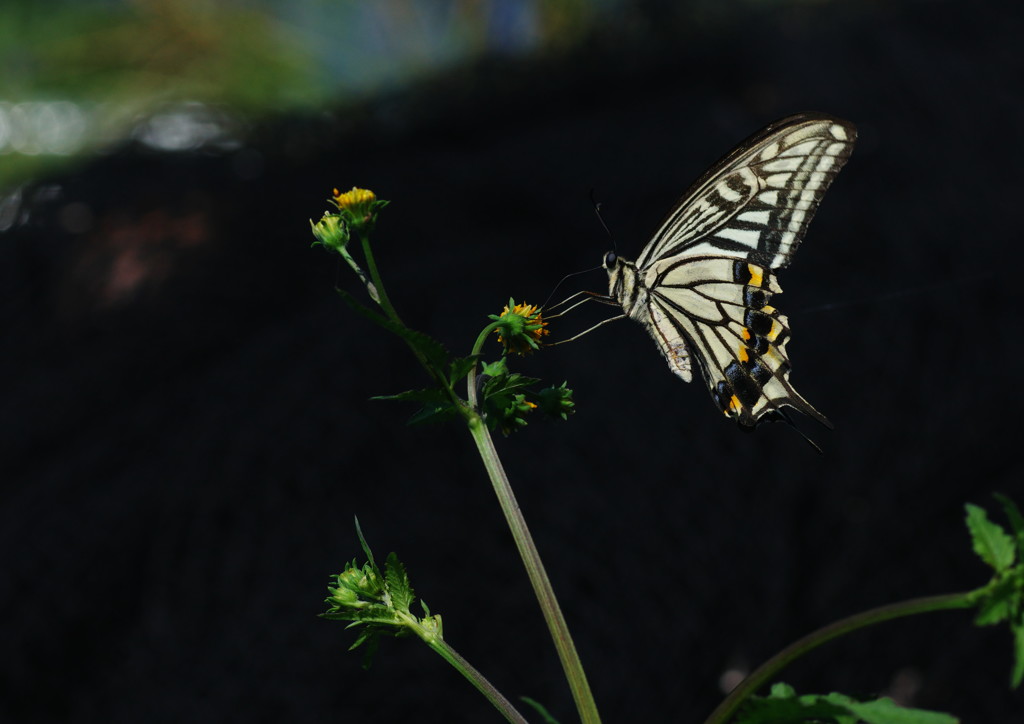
x=703, y=285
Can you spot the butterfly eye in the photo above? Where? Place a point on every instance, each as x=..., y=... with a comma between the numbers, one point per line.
x=609, y=260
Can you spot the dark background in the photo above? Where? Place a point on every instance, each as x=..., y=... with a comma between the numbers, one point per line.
x=186, y=430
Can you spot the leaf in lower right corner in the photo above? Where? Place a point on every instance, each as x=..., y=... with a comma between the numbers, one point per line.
x=886, y=711
x=1016, y=521
x=783, y=706
x=990, y=541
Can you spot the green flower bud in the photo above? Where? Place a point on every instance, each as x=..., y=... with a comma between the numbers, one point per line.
x=331, y=231
x=556, y=401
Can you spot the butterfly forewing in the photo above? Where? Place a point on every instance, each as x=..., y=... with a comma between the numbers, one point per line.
x=758, y=200
x=703, y=286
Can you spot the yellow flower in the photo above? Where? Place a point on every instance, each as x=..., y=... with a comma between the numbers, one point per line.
x=355, y=198
x=358, y=208
x=523, y=328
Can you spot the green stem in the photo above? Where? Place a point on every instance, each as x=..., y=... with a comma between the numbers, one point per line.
x=538, y=576
x=375, y=287
x=476, y=679
x=768, y=670
x=382, y=296
x=370, y=287
x=571, y=664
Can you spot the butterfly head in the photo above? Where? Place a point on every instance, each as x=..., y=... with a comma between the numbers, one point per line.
x=622, y=280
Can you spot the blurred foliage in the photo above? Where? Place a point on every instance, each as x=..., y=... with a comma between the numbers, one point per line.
x=142, y=51
x=116, y=63
x=120, y=61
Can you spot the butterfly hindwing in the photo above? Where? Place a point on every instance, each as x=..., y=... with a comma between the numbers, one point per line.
x=722, y=308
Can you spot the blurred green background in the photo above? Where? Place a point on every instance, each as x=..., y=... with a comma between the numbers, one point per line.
x=178, y=74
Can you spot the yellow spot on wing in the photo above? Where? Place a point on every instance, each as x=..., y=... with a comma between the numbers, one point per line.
x=756, y=276
x=734, y=405
x=742, y=355
x=745, y=333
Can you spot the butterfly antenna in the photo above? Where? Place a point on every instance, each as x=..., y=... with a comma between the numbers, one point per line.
x=555, y=288
x=597, y=210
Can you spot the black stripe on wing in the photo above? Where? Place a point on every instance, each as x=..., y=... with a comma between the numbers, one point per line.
x=721, y=307
x=757, y=201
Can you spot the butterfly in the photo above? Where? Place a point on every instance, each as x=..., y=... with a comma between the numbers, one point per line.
x=703, y=285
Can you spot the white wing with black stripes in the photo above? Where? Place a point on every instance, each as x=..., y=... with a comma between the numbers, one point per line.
x=703, y=285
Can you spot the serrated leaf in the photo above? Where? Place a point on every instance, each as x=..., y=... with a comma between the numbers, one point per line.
x=792, y=709
x=377, y=614
x=431, y=413
x=783, y=706
x=1001, y=599
x=366, y=548
x=989, y=540
x=1016, y=521
x=459, y=368
x=398, y=584
x=508, y=384
x=427, y=395
x=437, y=406
x=362, y=638
x=886, y=711
x=495, y=369
x=432, y=351
x=1017, y=673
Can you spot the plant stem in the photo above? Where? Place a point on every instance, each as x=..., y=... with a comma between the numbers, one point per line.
x=370, y=287
x=774, y=665
x=477, y=679
x=534, y=568
x=380, y=296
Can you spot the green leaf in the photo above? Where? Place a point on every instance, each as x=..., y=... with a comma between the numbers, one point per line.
x=1016, y=521
x=782, y=690
x=539, y=708
x=1000, y=600
x=372, y=638
x=398, y=584
x=432, y=351
x=509, y=383
x=434, y=412
x=989, y=539
x=427, y=395
x=792, y=709
x=365, y=547
x=459, y=368
x=886, y=711
x=437, y=407
x=495, y=369
x=783, y=706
